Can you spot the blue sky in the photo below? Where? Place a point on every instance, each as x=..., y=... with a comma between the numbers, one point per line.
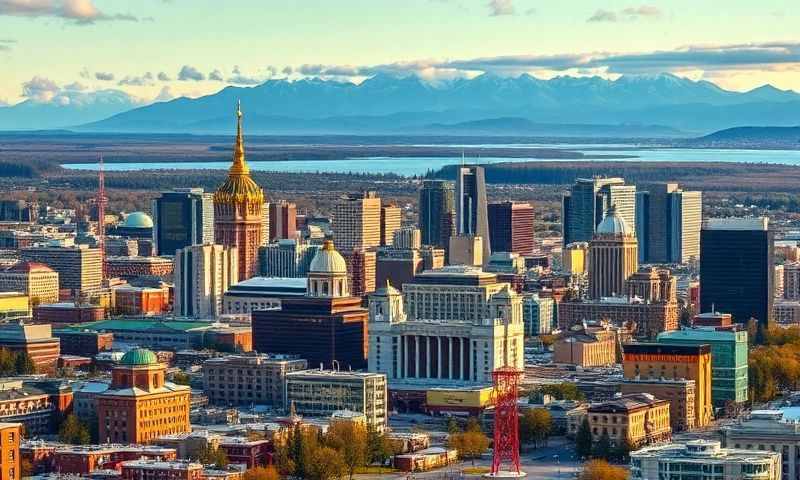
x=165, y=48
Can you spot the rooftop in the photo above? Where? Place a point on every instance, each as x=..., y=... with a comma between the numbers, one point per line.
x=736, y=223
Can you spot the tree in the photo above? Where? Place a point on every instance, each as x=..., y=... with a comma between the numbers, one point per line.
x=213, y=456
x=602, y=448
x=262, y=473
x=181, y=378
x=563, y=391
x=381, y=447
x=469, y=444
x=24, y=364
x=73, y=431
x=535, y=426
x=601, y=470
x=453, y=426
x=326, y=464
x=621, y=452
x=473, y=425
x=583, y=439
x=350, y=440
x=8, y=361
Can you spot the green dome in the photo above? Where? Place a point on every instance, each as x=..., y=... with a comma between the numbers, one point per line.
x=139, y=356
x=138, y=220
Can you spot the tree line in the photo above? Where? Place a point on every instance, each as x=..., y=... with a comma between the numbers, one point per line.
x=15, y=363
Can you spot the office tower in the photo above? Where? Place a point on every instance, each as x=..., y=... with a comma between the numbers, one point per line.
x=282, y=221
x=361, y=269
x=736, y=268
x=182, y=217
x=672, y=224
x=239, y=211
x=18, y=211
x=511, y=227
x=575, y=258
x=455, y=325
x=613, y=256
x=357, y=221
x=436, y=212
x=729, y=369
x=407, y=237
x=79, y=268
x=391, y=219
x=587, y=202
x=126, y=413
x=327, y=324
x=203, y=274
x=36, y=280
x=643, y=224
x=286, y=258
x=472, y=218
x=647, y=361
x=538, y=314
x=791, y=281
x=466, y=250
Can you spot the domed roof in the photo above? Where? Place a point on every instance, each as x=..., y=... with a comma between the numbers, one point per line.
x=138, y=220
x=613, y=224
x=328, y=260
x=139, y=356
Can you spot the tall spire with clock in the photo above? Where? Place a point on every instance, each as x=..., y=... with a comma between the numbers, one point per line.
x=239, y=209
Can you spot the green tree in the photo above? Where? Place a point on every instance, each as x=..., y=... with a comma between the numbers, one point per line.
x=7, y=362
x=350, y=440
x=73, y=431
x=181, y=378
x=583, y=439
x=24, y=364
x=326, y=464
x=535, y=426
x=563, y=391
x=381, y=447
x=453, y=426
x=602, y=449
x=621, y=452
x=213, y=456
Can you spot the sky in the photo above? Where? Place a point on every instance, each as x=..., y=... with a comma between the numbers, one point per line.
x=160, y=49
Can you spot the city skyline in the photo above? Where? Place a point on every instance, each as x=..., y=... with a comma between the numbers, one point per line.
x=157, y=50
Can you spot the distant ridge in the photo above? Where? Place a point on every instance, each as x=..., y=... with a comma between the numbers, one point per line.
x=774, y=137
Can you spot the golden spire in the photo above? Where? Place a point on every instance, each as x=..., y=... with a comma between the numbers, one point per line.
x=239, y=166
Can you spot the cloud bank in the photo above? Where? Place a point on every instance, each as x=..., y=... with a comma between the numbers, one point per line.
x=79, y=12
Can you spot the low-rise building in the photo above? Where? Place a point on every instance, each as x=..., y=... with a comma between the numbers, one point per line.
x=128, y=268
x=36, y=280
x=35, y=340
x=84, y=342
x=161, y=470
x=638, y=419
x=650, y=318
x=14, y=306
x=67, y=313
x=85, y=459
x=130, y=300
x=261, y=293
x=424, y=460
x=704, y=459
x=36, y=405
x=249, y=379
x=678, y=392
x=253, y=453
x=786, y=312
x=586, y=347
x=323, y=392
x=767, y=430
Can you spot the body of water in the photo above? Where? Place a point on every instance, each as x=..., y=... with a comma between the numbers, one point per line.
x=409, y=166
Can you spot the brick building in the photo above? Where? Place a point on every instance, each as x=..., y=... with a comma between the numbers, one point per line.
x=36, y=340
x=38, y=281
x=130, y=300
x=128, y=268
x=84, y=342
x=67, y=313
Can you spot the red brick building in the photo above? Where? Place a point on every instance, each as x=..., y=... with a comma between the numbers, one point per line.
x=36, y=340
x=84, y=342
x=161, y=470
x=253, y=453
x=67, y=313
x=511, y=227
x=128, y=268
x=84, y=459
x=129, y=300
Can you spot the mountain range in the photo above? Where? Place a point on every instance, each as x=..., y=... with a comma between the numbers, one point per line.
x=639, y=105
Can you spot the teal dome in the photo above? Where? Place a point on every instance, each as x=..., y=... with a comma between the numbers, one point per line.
x=138, y=220
x=139, y=356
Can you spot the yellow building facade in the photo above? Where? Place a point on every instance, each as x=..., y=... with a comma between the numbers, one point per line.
x=141, y=406
x=643, y=361
x=640, y=419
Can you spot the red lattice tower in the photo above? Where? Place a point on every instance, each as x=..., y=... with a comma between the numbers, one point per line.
x=100, y=200
x=506, y=420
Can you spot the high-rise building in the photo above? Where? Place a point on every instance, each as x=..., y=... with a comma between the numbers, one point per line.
x=203, y=274
x=472, y=218
x=728, y=360
x=282, y=221
x=332, y=323
x=778, y=290
x=140, y=405
x=182, y=217
x=391, y=220
x=397, y=266
x=362, y=267
x=18, y=211
x=588, y=202
x=437, y=212
x=613, y=256
x=79, y=268
x=643, y=224
x=239, y=211
x=791, y=281
x=511, y=227
x=286, y=258
x=671, y=224
x=36, y=280
x=574, y=258
x=736, y=268
x=357, y=222
x=407, y=237
x=456, y=325
x=538, y=314
x=673, y=361
x=466, y=250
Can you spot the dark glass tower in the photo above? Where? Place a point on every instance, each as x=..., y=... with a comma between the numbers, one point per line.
x=511, y=227
x=436, y=212
x=181, y=218
x=736, y=268
x=472, y=218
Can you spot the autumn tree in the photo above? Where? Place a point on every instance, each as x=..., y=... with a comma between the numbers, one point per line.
x=181, y=378
x=325, y=463
x=381, y=447
x=602, y=470
x=350, y=440
x=73, y=431
x=213, y=456
x=535, y=426
x=262, y=473
x=469, y=444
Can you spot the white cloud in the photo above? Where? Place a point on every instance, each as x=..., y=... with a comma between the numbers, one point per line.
x=80, y=12
x=501, y=7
